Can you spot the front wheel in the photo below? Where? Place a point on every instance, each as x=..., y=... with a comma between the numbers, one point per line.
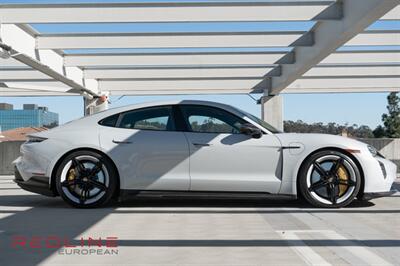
x=86, y=179
x=329, y=179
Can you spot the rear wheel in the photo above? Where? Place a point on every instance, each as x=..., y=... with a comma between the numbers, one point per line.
x=329, y=179
x=86, y=179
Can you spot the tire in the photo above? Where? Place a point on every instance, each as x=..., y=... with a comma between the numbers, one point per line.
x=329, y=179
x=86, y=179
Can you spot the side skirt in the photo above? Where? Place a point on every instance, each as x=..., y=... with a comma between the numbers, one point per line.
x=127, y=193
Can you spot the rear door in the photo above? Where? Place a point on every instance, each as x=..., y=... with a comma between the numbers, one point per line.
x=148, y=151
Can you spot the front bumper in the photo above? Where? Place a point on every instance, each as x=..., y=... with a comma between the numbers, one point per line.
x=36, y=184
x=379, y=175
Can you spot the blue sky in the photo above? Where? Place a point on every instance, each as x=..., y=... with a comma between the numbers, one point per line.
x=362, y=108
x=341, y=108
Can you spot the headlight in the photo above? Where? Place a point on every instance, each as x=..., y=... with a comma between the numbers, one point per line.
x=372, y=150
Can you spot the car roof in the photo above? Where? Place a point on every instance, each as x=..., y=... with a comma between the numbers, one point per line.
x=93, y=119
x=88, y=121
x=125, y=108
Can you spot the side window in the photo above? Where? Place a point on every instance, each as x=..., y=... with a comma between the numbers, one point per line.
x=153, y=118
x=110, y=121
x=211, y=120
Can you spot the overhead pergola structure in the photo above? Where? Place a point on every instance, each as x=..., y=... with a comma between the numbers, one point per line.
x=336, y=54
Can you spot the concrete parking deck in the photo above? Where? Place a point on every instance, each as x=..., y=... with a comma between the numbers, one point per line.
x=198, y=232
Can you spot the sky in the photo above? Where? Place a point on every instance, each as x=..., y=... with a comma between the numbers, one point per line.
x=357, y=108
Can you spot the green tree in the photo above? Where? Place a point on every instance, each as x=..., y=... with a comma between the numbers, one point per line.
x=330, y=128
x=379, y=132
x=391, y=120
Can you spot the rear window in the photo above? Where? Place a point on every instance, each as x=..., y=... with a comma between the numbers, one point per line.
x=110, y=121
x=152, y=118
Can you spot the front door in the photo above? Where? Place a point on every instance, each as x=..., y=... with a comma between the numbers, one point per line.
x=223, y=159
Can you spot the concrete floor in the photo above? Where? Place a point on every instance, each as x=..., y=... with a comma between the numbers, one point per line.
x=197, y=232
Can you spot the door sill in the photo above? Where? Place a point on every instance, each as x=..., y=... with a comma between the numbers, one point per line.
x=128, y=193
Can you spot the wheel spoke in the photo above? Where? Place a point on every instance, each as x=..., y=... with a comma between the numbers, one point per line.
x=97, y=184
x=333, y=192
x=336, y=165
x=97, y=168
x=347, y=182
x=68, y=183
x=79, y=167
x=317, y=185
x=84, y=194
x=321, y=171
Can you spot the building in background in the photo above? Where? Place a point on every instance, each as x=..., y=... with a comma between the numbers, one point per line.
x=31, y=115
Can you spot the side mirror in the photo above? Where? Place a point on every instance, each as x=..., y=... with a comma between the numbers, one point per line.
x=251, y=130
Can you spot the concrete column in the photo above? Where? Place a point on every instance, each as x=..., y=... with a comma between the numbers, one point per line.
x=87, y=109
x=272, y=110
x=94, y=105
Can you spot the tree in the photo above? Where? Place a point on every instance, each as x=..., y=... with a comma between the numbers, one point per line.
x=379, y=132
x=391, y=120
x=330, y=128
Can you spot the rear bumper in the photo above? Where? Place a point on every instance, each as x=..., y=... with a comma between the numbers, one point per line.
x=36, y=184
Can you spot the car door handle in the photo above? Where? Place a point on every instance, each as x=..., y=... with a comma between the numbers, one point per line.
x=121, y=142
x=201, y=144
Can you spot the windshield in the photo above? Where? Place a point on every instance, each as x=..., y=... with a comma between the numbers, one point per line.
x=260, y=122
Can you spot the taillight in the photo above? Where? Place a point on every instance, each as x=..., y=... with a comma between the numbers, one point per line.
x=33, y=139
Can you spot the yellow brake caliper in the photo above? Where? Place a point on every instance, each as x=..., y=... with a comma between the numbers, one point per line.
x=71, y=174
x=342, y=173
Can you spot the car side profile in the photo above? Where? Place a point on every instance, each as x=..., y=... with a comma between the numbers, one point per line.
x=196, y=148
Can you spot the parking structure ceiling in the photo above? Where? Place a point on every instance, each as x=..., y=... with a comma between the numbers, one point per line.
x=200, y=47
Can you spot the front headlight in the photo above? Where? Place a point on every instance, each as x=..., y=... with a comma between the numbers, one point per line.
x=372, y=150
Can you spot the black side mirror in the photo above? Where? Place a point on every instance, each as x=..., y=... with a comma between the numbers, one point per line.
x=251, y=130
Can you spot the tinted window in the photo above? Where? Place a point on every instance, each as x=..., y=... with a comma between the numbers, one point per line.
x=211, y=120
x=154, y=118
x=110, y=121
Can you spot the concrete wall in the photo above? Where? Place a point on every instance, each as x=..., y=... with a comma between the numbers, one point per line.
x=9, y=151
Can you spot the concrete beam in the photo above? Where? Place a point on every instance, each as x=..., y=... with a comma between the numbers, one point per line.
x=346, y=82
x=22, y=42
x=353, y=71
x=177, y=59
x=363, y=57
x=184, y=85
x=394, y=14
x=329, y=35
x=166, y=72
x=376, y=38
x=173, y=40
x=275, y=10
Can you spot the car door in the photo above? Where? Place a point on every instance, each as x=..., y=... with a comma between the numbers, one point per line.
x=148, y=151
x=223, y=159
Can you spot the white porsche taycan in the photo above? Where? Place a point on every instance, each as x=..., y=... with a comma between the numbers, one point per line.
x=196, y=148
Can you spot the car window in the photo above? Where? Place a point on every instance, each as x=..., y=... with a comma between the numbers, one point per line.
x=207, y=119
x=110, y=121
x=261, y=122
x=154, y=118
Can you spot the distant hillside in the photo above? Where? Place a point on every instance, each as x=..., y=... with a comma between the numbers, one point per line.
x=355, y=131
